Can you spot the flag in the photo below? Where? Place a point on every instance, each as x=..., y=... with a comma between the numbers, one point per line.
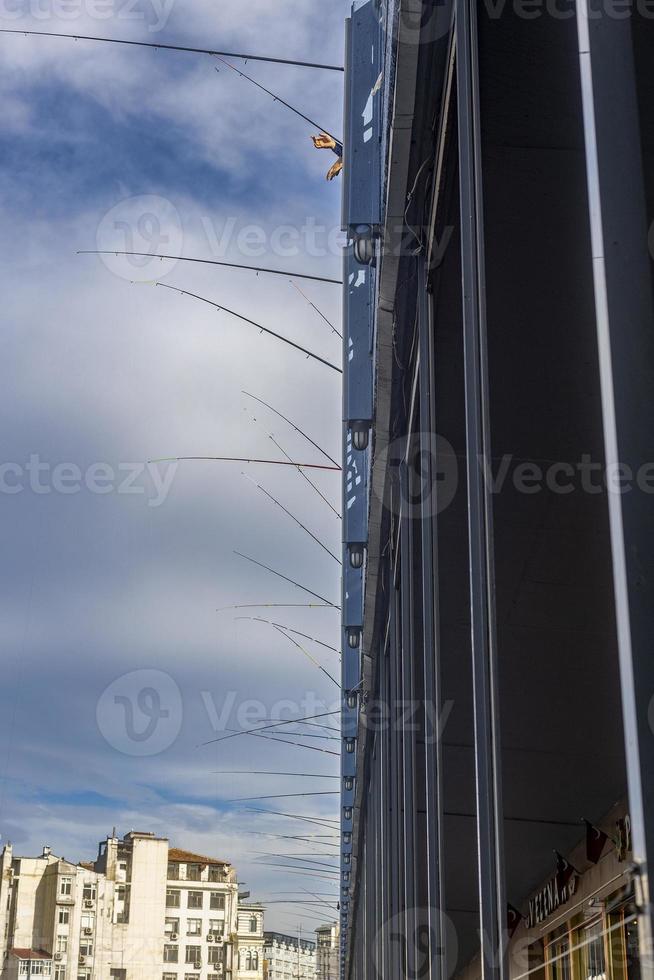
x=564, y=870
x=513, y=917
x=595, y=841
x=326, y=142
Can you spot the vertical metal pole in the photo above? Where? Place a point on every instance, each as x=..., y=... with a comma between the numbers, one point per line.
x=431, y=667
x=492, y=905
x=408, y=720
x=625, y=336
x=398, y=967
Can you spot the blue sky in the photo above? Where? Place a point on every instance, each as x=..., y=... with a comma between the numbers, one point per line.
x=98, y=371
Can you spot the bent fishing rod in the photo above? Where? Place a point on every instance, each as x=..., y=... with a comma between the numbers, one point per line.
x=253, y=323
x=179, y=47
x=228, y=265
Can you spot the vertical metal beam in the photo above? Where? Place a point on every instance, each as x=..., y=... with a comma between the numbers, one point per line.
x=398, y=968
x=625, y=334
x=484, y=655
x=407, y=720
x=431, y=668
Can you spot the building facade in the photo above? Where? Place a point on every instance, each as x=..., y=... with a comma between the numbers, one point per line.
x=249, y=941
x=288, y=957
x=141, y=911
x=327, y=951
x=498, y=561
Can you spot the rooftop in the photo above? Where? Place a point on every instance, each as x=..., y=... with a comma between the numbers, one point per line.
x=177, y=855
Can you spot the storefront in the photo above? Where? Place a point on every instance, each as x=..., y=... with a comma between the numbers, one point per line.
x=581, y=924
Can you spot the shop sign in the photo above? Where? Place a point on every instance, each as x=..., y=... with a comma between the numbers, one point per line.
x=556, y=892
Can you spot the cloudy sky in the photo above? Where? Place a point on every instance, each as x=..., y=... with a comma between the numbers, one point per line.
x=119, y=656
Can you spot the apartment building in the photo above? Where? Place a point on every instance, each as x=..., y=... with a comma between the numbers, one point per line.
x=141, y=911
x=288, y=957
x=327, y=951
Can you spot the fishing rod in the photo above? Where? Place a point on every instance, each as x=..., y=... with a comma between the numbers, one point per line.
x=299, y=857
x=311, y=873
x=304, y=903
x=325, y=822
x=293, y=518
x=228, y=265
x=284, y=741
x=277, y=724
x=237, y=459
x=293, y=426
x=269, y=772
x=253, y=323
x=307, y=654
x=257, y=619
x=286, y=579
x=278, y=605
x=179, y=47
x=307, y=840
x=276, y=98
x=282, y=796
x=333, y=857
x=319, y=312
x=302, y=474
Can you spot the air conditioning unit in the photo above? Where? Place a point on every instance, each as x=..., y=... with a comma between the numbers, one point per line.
x=87, y=931
x=174, y=936
x=210, y=937
x=88, y=903
x=197, y=965
x=58, y=956
x=82, y=959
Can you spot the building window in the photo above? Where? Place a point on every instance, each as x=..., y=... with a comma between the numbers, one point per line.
x=62, y=944
x=83, y=975
x=191, y=976
x=193, y=872
x=217, y=900
x=64, y=917
x=169, y=976
x=172, y=898
x=215, y=954
x=65, y=886
x=171, y=927
x=87, y=921
x=217, y=926
x=194, y=927
x=170, y=953
x=254, y=924
x=86, y=947
x=194, y=900
x=255, y=961
x=623, y=943
x=60, y=973
x=592, y=952
x=558, y=956
x=88, y=892
x=173, y=872
x=216, y=976
x=192, y=954
x=216, y=873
